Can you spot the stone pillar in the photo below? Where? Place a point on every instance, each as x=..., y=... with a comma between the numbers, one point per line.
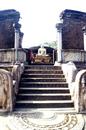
x=59, y=46
x=16, y=44
x=84, y=36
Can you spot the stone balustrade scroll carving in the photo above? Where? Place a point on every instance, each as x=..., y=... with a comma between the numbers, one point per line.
x=9, y=82
x=80, y=92
x=5, y=90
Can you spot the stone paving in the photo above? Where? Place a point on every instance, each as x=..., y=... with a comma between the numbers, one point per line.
x=42, y=120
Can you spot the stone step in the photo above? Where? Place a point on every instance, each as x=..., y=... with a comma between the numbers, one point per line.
x=45, y=94
x=42, y=67
x=32, y=88
x=43, y=97
x=45, y=104
x=43, y=84
x=43, y=91
x=36, y=71
x=43, y=79
x=57, y=110
x=43, y=75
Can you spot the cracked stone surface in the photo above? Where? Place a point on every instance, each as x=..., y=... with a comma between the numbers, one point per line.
x=42, y=120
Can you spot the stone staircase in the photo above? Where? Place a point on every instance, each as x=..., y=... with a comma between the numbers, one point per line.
x=43, y=87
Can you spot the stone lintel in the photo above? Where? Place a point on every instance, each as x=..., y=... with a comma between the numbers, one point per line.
x=73, y=14
x=9, y=14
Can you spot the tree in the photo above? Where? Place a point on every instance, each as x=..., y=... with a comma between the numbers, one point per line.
x=51, y=44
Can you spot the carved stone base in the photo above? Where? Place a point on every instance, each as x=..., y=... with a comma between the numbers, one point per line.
x=46, y=120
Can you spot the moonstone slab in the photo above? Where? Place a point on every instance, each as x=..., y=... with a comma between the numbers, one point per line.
x=46, y=120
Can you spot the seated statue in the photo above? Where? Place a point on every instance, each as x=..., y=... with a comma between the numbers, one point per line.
x=42, y=56
x=42, y=51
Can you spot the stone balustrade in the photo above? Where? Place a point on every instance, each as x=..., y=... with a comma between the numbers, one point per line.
x=9, y=81
x=80, y=91
x=76, y=82
x=17, y=71
x=6, y=86
x=70, y=72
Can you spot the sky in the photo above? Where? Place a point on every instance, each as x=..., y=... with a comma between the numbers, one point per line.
x=39, y=17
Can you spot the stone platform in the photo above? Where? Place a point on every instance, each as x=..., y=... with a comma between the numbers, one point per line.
x=42, y=120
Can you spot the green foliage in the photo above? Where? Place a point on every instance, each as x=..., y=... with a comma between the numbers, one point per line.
x=51, y=44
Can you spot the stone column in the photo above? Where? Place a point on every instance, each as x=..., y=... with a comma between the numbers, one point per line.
x=84, y=36
x=16, y=44
x=59, y=44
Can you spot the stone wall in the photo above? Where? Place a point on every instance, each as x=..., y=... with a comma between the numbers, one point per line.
x=73, y=55
x=72, y=33
x=8, y=23
x=8, y=55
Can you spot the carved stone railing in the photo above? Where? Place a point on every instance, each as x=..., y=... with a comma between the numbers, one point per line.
x=70, y=71
x=6, y=91
x=17, y=71
x=9, y=82
x=80, y=91
x=77, y=84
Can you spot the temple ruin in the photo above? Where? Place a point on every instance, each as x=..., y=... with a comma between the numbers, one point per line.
x=71, y=39
x=10, y=37
x=49, y=82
